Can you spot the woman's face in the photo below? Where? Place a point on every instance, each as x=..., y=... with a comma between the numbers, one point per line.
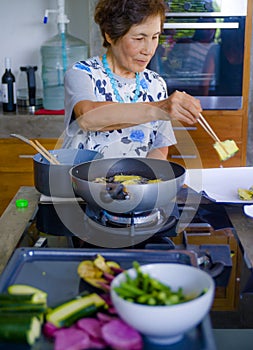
x=134, y=50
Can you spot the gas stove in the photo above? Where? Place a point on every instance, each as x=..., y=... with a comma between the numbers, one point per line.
x=73, y=224
x=207, y=229
x=93, y=227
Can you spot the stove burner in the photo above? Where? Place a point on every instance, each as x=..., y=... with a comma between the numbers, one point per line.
x=132, y=230
x=140, y=219
x=149, y=221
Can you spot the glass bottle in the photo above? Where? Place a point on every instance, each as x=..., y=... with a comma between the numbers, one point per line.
x=8, y=88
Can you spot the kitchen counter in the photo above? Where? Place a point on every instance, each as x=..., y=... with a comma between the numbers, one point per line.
x=14, y=221
x=244, y=229
x=32, y=126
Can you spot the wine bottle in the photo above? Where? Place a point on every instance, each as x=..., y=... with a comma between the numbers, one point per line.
x=8, y=88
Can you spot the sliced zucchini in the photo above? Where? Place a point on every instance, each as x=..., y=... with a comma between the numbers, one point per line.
x=22, y=311
x=75, y=309
x=20, y=289
x=6, y=299
x=12, y=329
x=20, y=316
x=22, y=302
x=25, y=298
x=23, y=307
x=87, y=311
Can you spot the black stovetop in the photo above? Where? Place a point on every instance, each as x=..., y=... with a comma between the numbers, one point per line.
x=67, y=223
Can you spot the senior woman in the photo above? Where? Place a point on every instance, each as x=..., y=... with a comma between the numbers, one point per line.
x=113, y=103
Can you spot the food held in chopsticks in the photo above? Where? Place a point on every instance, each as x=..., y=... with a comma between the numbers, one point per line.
x=245, y=194
x=225, y=149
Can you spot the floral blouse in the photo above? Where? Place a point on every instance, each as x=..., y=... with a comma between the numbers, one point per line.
x=87, y=80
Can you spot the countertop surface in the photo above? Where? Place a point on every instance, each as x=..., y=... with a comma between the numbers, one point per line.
x=32, y=126
x=13, y=222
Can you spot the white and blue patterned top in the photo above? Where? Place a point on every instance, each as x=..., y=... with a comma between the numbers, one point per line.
x=87, y=80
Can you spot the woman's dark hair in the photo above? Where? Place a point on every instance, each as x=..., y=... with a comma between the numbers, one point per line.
x=116, y=17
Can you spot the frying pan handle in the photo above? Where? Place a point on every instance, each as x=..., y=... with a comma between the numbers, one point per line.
x=114, y=191
x=216, y=269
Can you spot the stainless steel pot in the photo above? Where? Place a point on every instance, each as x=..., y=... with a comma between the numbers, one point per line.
x=135, y=198
x=54, y=180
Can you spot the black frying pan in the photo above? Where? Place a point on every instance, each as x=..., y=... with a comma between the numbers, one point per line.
x=132, y=198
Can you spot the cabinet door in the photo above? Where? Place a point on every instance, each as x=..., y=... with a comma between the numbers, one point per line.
x=194, y=148
x=16, y=167
x=226, y=294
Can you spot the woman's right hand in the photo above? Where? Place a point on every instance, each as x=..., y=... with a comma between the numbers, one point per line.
x=181, y=106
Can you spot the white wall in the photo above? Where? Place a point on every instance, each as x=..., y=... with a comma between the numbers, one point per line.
x=22, y=31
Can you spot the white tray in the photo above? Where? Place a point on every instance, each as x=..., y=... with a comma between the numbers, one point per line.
x=221, y=184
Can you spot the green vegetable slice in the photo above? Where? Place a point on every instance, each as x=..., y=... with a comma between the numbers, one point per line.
x=74, y=309
x=21, y=289
x=12, y=329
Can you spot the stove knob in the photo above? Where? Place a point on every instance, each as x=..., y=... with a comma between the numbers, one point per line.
x=187, y=6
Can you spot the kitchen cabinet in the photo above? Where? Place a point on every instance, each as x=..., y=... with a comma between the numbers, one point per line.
x=16, y=166
x=227, y=295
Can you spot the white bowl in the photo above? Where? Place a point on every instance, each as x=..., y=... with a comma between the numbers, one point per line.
x=167, y=324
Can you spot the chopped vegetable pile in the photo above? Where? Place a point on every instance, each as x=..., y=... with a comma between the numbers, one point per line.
x=22, y=311
x=144, y=289
x=87, y=321
x=226, y=149
x=245, y=194
x=99, y=272
x=90, y=320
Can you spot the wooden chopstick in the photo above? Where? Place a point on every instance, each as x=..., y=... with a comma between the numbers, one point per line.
x=38, y=147
x=44, y=152
x=205, y=128
x=39, y=150
x=202, y=121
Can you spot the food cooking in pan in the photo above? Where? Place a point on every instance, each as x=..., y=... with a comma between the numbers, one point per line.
x=126, y=180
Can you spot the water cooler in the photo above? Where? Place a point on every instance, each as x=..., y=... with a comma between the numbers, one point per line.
x=57, y=54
